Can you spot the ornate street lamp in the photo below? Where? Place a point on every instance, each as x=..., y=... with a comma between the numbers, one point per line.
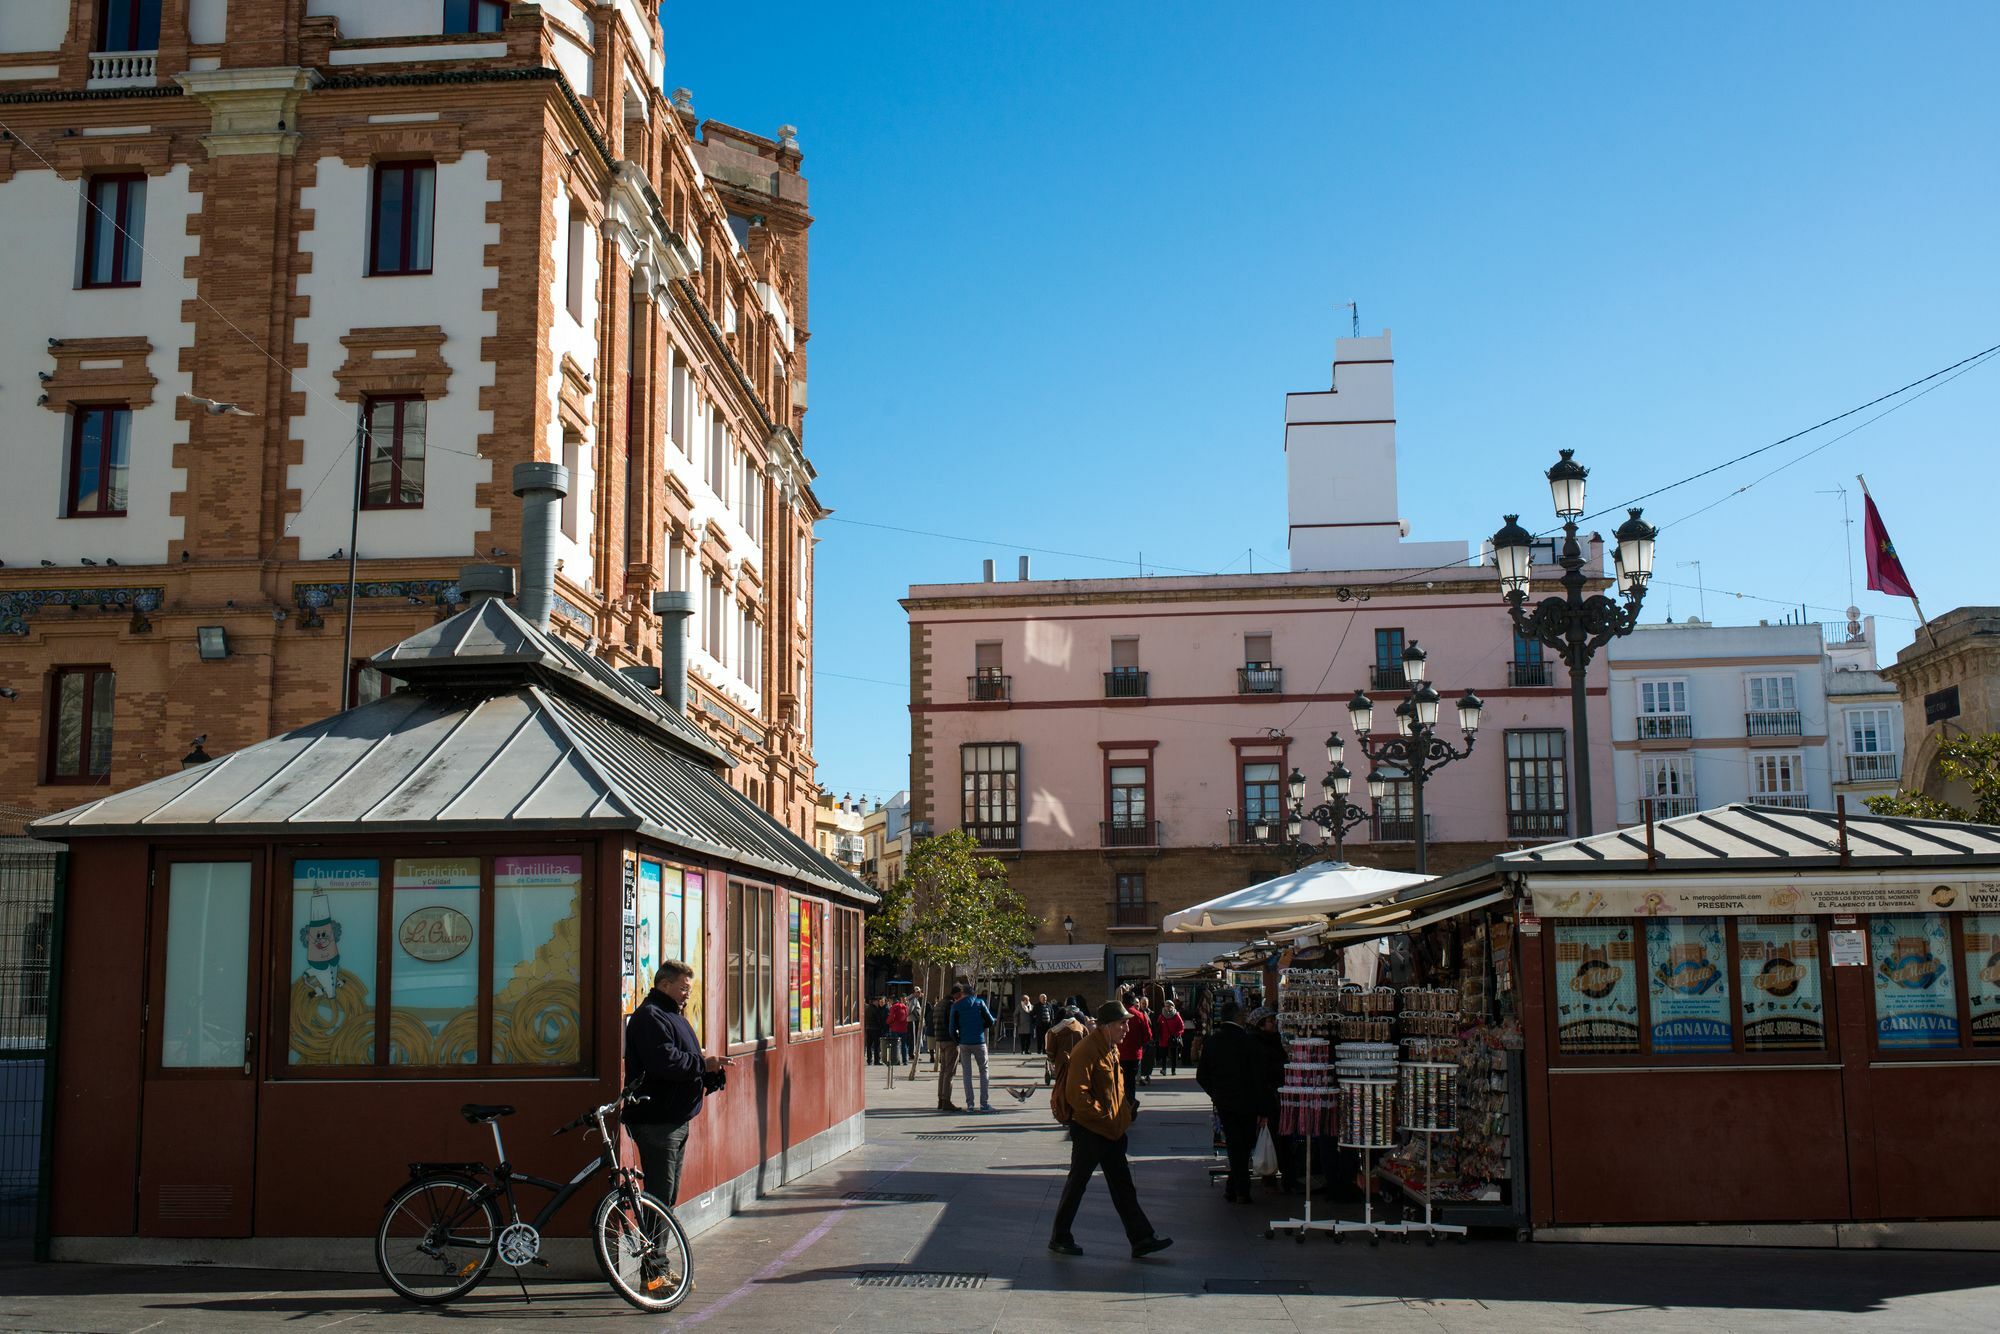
x=1416, y=751
x=1572, y=623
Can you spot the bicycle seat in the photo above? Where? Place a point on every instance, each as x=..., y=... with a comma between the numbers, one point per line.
x=479, y=1113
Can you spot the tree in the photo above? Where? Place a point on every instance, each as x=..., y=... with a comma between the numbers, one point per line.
x=953, y=908
x=1971, y=760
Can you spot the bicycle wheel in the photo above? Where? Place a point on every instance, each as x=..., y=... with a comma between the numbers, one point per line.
x=642, y=1251
x=437, y=1239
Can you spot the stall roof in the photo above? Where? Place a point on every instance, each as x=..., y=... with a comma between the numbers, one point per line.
x=1736, y=836
x=1297, y=896
x=471, y=753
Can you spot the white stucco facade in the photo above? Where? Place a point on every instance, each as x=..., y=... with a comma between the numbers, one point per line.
x=343, y=298
x=577, y=340
x=41, y=293
x=32, y=25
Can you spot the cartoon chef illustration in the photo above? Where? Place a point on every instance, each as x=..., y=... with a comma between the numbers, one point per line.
x=321, y=938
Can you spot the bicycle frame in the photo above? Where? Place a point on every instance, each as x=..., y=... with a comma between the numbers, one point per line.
x=504, y=1176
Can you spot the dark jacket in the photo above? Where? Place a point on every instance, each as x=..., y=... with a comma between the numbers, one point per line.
x=1270, y=1073
x=1231, y=1070
x=661, y=1049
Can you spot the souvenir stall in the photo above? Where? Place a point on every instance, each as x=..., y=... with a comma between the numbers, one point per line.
x=332, y=939
x=1759, y=1026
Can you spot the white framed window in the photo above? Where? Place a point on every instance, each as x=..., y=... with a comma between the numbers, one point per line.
x=1775, y=693
x=1870, y=732
x=1777, y=773
x=1666, y=785
x=1665, y=695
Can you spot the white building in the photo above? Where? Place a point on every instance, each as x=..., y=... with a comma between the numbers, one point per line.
x=1866, y=713
x=1703, y=715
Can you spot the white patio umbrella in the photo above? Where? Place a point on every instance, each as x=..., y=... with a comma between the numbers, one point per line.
x=1300, y=896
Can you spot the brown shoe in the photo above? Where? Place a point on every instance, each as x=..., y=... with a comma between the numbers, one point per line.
x=949, y=1107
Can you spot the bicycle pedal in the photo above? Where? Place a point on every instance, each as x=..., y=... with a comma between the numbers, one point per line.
x=538, y=1260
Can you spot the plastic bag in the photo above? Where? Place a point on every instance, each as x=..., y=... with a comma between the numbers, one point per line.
x=1264, y=1158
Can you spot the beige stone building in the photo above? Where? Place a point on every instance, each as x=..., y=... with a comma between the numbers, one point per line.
x=1949, y=682
x=305, y=280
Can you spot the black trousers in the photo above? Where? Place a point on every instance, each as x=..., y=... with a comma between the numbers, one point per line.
x=1088, y=1152
x=1239, y=1133
x=1131, y=1069
x=661, y=1149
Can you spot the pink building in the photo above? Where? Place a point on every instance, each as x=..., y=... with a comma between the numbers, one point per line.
x=1113, y=739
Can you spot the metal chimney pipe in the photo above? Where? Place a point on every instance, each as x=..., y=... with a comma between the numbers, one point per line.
x=1024, y=569
x=483, y=583
x=987, y=570
x=541, y=487
x=673, y=609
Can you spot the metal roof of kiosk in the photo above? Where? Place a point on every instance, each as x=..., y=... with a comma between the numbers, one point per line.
x=1742, y=859
x=1312, y=891
x=503, y=728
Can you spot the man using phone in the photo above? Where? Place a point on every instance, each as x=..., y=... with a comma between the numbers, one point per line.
x=663, y=1059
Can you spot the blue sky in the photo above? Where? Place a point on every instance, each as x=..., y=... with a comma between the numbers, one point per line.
x=1068, y=260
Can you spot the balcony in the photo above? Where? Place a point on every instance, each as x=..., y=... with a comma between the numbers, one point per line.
x=1128, y=833
x=1537, y=824
x=1665, y=808
x=994, y=835
x=1773, y=722
x=1132, y=915
x=870, y=865
x=1666, y=727
x=989, y=688
x=1125, y=683
x=1530, y=674
x=123, y=69
x=1243, y=833
x=1260, y=680
x=1400, y=829
x=1387, y=676
x=1874, y=768
x=1787, y=801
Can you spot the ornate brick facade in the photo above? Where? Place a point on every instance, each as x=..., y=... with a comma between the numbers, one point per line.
x=607, y=278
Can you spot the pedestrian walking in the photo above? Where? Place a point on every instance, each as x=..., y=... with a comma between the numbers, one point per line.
x=947, y=1048
x=1132, y=1046
x=1099, y=1112
x=919, y=1013
x=897, y=1023
x=876, y=1027
x=1172, y=1029
x=972, y=1022
x=1024, y=1025
x=663, y=1058
x=1231, y=1073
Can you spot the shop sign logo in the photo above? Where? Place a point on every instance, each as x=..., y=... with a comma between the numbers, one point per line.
x=435, y=934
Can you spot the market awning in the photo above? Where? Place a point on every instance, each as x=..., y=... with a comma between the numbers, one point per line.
x=1402, y=919
x=1064, y=959
x=1300, y=896
x=1181, y=956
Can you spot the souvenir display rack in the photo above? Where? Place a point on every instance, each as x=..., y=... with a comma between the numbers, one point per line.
x=1427, y=1105
x=1309, y=1014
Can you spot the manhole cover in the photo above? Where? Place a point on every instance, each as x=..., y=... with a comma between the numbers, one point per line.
x=939, y=1134
x=889, y=1197
x=917, y=1278
x=1251, y=1287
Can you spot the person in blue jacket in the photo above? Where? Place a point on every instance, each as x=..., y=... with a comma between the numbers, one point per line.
x=971, y=1021
x=663, y=1058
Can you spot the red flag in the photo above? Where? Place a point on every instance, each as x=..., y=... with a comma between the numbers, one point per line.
x=1885, y=567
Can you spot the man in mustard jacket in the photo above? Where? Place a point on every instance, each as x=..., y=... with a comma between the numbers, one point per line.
x=1093, y=1088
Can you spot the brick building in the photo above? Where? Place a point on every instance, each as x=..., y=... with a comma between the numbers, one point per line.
x=441, y=237
x=1114, y=740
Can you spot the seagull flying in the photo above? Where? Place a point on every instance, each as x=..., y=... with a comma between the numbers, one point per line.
x=215, y=408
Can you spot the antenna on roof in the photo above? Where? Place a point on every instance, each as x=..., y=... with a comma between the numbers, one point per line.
x=1353, y=308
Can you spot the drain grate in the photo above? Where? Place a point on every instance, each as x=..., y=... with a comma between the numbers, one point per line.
x=889, y=1197
x=940, y=1135
x=1252, y=1287
x=918, y=1278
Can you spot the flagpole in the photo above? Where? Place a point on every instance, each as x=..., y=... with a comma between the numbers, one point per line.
x=1923, y=619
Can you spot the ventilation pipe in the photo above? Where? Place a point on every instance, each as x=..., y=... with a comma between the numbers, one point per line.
x=541, y=487
x=1024, y=569
x=483, y=583
x=673, y=609
x=988, y=571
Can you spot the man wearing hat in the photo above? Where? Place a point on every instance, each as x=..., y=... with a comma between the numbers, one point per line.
x=1093, y=1087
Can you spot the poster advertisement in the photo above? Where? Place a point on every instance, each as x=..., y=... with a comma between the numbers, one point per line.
x=672, y=944
x=1784, y=1008
x=1916, y=998
x=809, y=950
x=792, y=957
x=434, y=967
x=1597, y=988
x=1687, y=960
x=537, y=946
x=1982, y=976
x=333, y=960
x=645, y=934
x=694, y=926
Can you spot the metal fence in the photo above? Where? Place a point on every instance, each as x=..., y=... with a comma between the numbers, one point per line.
x=30, y=924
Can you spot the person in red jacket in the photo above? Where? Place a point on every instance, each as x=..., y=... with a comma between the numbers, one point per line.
x=1132, y=1047
x=899, y=1031
x=1172, y=1026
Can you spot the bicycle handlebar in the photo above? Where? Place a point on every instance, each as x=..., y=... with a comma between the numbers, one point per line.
x=627, y=1098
